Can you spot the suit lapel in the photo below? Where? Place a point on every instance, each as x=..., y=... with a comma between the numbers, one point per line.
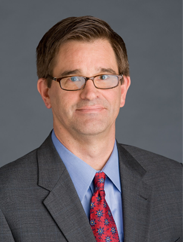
x=62, y=202
x=135, y=197
x=65, y=207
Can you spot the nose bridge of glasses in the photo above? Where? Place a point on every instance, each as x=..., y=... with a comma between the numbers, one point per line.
x=89, y=78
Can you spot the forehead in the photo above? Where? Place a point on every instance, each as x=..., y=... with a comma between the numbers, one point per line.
x=87, y=56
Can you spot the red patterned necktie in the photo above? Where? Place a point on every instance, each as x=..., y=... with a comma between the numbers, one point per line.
x=101, y=219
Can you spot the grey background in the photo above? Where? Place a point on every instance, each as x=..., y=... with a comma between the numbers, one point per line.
x=151, y=118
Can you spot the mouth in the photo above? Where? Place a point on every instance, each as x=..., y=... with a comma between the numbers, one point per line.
x=91, y=109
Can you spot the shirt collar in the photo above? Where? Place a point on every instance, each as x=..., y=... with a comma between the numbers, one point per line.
x=111, y=168
x=81, y=173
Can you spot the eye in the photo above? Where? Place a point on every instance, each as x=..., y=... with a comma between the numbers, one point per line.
x=74, y=78
x=104, y=77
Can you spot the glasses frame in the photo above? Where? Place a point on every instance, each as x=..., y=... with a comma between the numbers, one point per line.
x=86, y=79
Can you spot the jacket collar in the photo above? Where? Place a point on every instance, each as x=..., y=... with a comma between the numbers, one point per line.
x=135, y=197
x=62, y=201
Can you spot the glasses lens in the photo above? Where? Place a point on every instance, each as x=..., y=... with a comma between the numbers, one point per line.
x=106, y=81
x=72, y=83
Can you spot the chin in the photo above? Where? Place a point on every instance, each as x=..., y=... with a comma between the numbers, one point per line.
x=92, y=130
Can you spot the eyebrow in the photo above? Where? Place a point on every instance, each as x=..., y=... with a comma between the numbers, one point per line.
x=107, y=70
x=70, y=72
x=78, y=71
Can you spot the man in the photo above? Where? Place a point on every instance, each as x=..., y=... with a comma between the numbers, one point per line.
x=80, y=184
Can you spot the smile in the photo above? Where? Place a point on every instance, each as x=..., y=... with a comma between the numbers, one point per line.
x=90, y=109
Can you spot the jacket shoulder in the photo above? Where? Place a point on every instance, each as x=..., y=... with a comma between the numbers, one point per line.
x=150, y=159
x=19, y=170
x=24, y=166
x=159, y=169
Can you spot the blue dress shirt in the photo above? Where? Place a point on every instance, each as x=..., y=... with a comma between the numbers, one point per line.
x=84, y=187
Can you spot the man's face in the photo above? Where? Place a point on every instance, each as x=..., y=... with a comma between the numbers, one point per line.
x=89, y=111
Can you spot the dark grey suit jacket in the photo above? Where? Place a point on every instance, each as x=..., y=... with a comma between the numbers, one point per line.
x=38, y=201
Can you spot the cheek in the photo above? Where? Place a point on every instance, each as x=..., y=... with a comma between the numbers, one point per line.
x=55, y=99
x=118, y=97
x=64, y=103
x=114, y=100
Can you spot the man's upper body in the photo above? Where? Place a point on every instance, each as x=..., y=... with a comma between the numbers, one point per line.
x=39, y=202
x=84, y=78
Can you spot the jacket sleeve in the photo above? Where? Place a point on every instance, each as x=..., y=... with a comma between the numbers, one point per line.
x=5, y=232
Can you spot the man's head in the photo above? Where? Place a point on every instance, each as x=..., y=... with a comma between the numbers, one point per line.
x=87, y=29
x=75, y=49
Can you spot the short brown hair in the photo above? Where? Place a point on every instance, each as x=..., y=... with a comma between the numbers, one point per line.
x=85, y=28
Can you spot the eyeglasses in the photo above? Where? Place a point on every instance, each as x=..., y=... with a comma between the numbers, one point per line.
x=74, y=83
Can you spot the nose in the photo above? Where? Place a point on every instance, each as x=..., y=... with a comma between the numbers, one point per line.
x=90, y=91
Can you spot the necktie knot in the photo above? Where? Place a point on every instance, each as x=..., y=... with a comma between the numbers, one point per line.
x=99, y=180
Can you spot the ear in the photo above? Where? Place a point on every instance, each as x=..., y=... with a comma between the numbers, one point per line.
x=43, y=90
x=124, y=88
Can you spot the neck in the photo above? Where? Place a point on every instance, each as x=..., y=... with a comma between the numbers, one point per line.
x=95, y=150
